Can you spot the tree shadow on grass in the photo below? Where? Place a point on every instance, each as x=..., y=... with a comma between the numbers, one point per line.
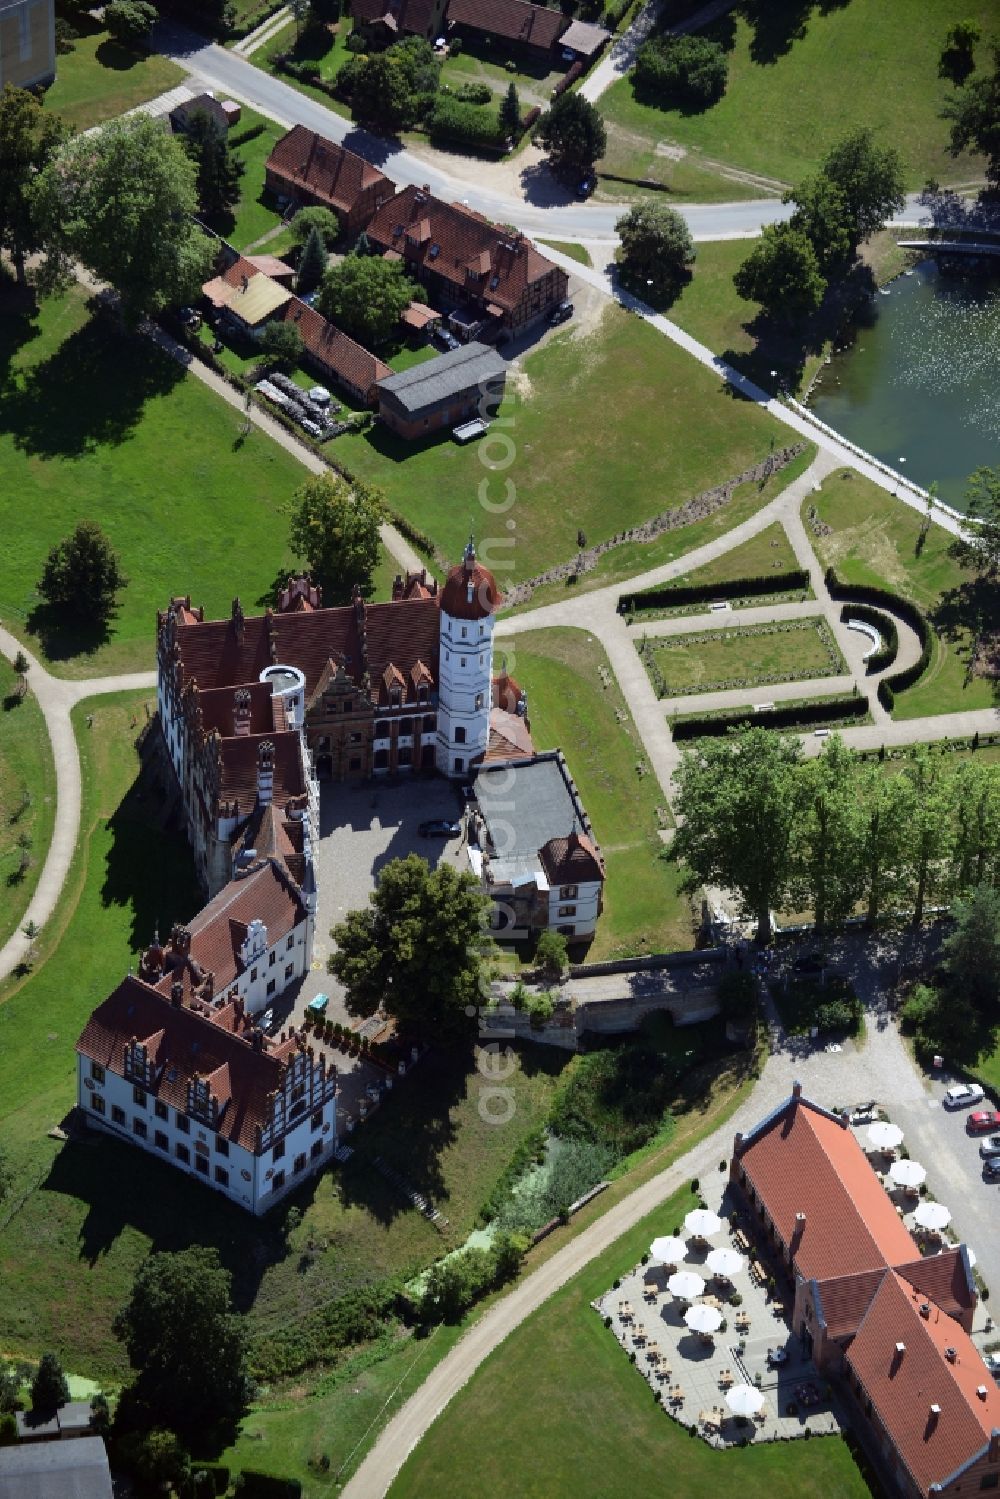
x=64, y=636
x=117, y=57
x=91, y=393
x=968, y=616
x=778, y=24
x=157, y=892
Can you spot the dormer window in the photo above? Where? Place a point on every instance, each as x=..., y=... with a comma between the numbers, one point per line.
x=396, y=696
x=433, y=252
x=494, y=282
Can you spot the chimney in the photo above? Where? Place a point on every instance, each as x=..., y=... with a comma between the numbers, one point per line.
x=397, y=588
x=981, y=1391
x=925, y=1310
x=265, y=772
x=900, y=1349
x=177, y=994
x=935, y=1412
x=951, y=1354
x=238, y=620
x=180, y=940
x=241, y=712
x=796, y=1090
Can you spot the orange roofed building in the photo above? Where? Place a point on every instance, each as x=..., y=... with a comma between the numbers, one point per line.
x=894, y=1325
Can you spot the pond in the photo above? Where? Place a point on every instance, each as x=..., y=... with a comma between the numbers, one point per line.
x=920, y=380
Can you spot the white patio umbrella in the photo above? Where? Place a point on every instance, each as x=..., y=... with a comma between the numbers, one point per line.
x=667, y=1250
x=971, y=1253
x=932, y=1215
x=685, y=1285
x=883, y=1136
x=702, y=1222
x=907, y=1173
x=744, y=1400
x=702, y=1318
x=725, y=1262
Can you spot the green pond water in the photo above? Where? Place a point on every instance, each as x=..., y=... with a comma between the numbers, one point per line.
x=922, y=381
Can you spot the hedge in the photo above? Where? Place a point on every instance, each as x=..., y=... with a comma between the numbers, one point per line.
x=471, y=124
x=886, y=654
x=864, y=593
x=568, y=79
x=531, y=118
x=253, y=1485
x=249, y=134
x=788, y=717
x=671, y=596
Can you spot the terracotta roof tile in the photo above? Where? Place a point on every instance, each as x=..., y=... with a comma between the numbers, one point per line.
x=470, y=592
x=514, y=20
x=328, y=171
x=844, y=1299
x=571, y=861
x=944, y=1278
x=509, y=736
x=218, y=709
x=239, y=769
x=344, y=358
x=398, y=15
x=219, y=929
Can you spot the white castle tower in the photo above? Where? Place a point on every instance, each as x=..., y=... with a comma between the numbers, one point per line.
x=468, y=602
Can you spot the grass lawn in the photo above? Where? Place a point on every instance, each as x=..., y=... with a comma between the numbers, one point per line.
x=579, y=1419
x=100, y=79
x=329, y=56
x=27, y=796
x=575, y=252
x=96, y=425
x=605, y=431
x=571, y=709
x=255, y=214
x=791, y=97
x=874, y=540
x=719, y=660
x=769, y=551
x=708, y=307
x=482, y=62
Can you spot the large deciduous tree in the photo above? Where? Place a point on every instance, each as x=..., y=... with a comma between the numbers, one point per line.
x=29, y=135
x=656, y=250
x=390, y=89
x=335, y=532
x=83, y=576
x=130, y=21
x=871, y=179
x=975, y=119
x=572, y=133
x=978, y=547
x=187, y=1346
x=928, y=827
x=830, y=835
x=971, y=951
x=217, y=183
x=416, y=950
x=322, y=219
x=958, y=55
x=120, y=201
x=681, y=72
x=366, y=296
x=736, y=800
x=782, y=273
x=824, y=217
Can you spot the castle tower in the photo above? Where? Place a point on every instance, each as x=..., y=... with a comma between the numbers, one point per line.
x=468, y=602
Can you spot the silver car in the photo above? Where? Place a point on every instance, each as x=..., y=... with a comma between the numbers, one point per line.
x=990, y=1147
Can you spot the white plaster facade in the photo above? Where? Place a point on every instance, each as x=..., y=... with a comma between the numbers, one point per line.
x=465, y=677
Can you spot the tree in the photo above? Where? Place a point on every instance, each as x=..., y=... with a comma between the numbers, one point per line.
x=681, y=72
x=130, y=21
x=414, y=950
x=312, y=264
x=871, y=180
x=335, y=532
x=510, y=112
x=12, y=1379
x=21, y=666
x=883, y=798
x=159, y=1460
x=737, y=809
x=824, y=217
x=366, y=296
x=188, y=1347
x=217, y=183
x=782, y=274
x=82, y=576
x=976, y=852
x=978, y=547
x=971, y=951
x=656, y=250
x=958, y=59
x=390, y=89
x=738, y=995
x=829, y=835
x=281, y=344
x=573, y=134
x=975, y=119
x=49, y=1388
x=120, y=200
x=322, y=219
x=29, y=135
x=928, y=828
x=551, y=955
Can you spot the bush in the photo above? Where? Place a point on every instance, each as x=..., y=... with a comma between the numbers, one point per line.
x=551, y=954
x=834, y=709
x=469, y=124
x=253, y=1485
x=531, y=118
x=65, y=35
x=837, y=1015
x=8, y=1428
x=906, y=609
x=473, y=93
x=250, y=133
x=737, y=995
x=671, y=596
x=886, y=626
x=680, y=72
x=568, y=79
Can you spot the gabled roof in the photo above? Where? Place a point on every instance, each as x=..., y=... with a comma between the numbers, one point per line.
x=571, y=860
x=509, y=736
x=326, y=170
x=219, y=929
x=348, y=360
x=903, y=1386
x=514, y=20
x=397, y=15
x=424, y=385
x=56, y=1470
x=239, y=769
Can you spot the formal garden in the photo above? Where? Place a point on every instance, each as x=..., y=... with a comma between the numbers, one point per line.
x=743, y=656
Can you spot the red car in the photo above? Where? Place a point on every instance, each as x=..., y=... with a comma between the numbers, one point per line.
x=983, y=1122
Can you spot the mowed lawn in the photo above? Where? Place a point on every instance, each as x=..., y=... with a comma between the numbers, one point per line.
x=100, y=79
x=791, y=95
x=27, y=796
x=99, y=426
x=874, y=540
x=596, y=433
x=724, y=659
x=558, y=1410
x=571, y=708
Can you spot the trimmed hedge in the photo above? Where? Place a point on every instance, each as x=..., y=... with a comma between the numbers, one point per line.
x=886, y=626
x=790, y=717
x=568, y=79
x=863, y=593
x=249, y=134
x=471, y=124
x=671, y=596
x=253, y=1485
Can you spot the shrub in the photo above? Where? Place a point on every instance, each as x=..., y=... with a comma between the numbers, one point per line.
x=253, y=1485
x=551, y=954
x=906, y=609
x=473, y=93
x=568, y=79
x=837, y=1015
x=541, y=1008
x=886, y=654
x=455, y=46
x=669, y=596
x=680, y=72
x=737, y=995
x=831, y=710
x=241, y=137
x=468, y=124
x=534, y=114
x=8, y=1427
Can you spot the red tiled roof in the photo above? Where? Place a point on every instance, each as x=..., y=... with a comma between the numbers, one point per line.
x=183, y=1045
x=506, y=692
x=903, y=1386
x=844, y=1299
x=270, y=265
x=239, y=769
x=944, y=1278
x=514, y=20
x=398, y=15
x=470, y=592
x=471, y=252
x=219, y=929
x=334, y=350
x=218, y=709
x=330, y=173
x=220, y=289
x=801, y=1160
x=509, y=736
x=571, y=861
x=418, y=315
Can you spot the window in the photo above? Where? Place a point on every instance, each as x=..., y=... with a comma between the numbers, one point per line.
x=315, y=1150
x=139, y=1128
x=272, y=985
x=459, y=765
x=406, y=725
x=290, y=943
x=201, y=1164
x=462, y=661
x=567, y=892
x=139, y=1097
x=160, y=1140
x=316, y=1121
x=97, y=1072
x=460, y=735
x=349, y=705
x=183, y=1123
x=278, y=1151
x=253, y=975
x=463, y=632
x=222, y=1177
x=479, y=699
x=990, y=1481
x=300, y=1162
x=97, y=1103
x=117, y=1114
x=381, y=759
x=405, y=756
x=183, y=1154
x=382, y=728
x=567, y=910
x=160, y=1110
x=289, y=970
x=221, y=1145
x=430, y=723
x=279, y=1181
x=272, y=958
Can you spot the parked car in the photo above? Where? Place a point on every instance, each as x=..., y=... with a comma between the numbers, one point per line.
x=983, y=1121
x=991, y=1170
x=992, y=1362
x=440, y=828
x=561, y=313
x=445, y=339
x=990, y=1147
x=961, y=1095
x=586, y=186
